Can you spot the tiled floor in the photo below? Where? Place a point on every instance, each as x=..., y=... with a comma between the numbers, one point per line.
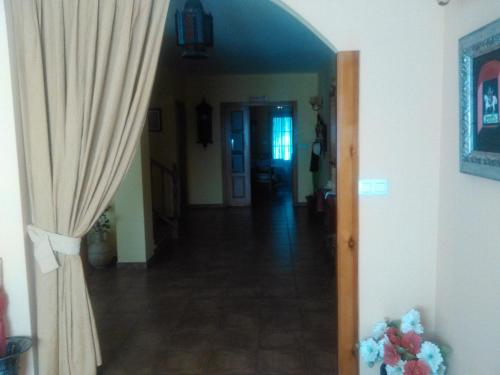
x=247, y=291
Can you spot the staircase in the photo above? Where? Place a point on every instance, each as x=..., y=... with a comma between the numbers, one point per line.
x=165, y=201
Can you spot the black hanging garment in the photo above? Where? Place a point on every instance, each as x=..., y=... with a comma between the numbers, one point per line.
x=315, y=153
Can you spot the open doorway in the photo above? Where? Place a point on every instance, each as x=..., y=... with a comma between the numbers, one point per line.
x=244, y=291
x=259, y=153
x=272, y=153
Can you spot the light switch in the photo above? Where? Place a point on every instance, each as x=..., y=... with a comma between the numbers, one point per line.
x=380, y=187
x=365, y=187
x=369, y=187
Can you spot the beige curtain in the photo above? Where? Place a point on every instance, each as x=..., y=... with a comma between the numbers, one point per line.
x=84, y=71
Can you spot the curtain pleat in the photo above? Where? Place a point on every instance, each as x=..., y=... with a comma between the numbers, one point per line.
x=84, y=71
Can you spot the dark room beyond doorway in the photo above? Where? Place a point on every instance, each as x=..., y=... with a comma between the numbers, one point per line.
x=272, y=153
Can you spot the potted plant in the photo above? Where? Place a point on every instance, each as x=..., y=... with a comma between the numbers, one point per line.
x=100, y=253
x=15, y=347
x=400, y=349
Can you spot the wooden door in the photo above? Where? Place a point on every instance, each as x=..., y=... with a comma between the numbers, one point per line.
x=237, y=175
x=347, y=210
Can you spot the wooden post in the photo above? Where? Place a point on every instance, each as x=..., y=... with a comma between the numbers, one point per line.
x=347, y=210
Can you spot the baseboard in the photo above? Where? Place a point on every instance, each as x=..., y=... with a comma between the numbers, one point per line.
x=218, y=205
x=153, y=258
x=139, y=265
x=132, y=265
x=211, y=205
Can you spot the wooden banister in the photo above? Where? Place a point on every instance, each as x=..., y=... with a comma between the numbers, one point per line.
x=168, y=175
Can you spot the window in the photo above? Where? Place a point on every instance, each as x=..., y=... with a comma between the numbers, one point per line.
x=282, y=136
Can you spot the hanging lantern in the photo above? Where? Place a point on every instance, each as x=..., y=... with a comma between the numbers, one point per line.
x=194, y=30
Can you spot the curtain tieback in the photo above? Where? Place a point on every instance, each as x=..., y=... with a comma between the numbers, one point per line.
x=46, y=243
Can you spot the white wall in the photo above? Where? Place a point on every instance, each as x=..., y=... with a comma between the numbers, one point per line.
x=400, y=117
x=133, y=212
x=13, y=249
x=468, y=277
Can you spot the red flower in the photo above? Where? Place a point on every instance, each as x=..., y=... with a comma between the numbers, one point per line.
x=394, y=336
x=416, y=368
x=391, y=355
x=411, y=342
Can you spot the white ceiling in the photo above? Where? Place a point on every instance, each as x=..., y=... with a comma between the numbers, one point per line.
x=250, y=36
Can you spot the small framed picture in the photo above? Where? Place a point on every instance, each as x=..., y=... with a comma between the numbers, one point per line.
x=479, y=111
x=154, y=120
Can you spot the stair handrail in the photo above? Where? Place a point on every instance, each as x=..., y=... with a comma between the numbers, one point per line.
x=173, y=174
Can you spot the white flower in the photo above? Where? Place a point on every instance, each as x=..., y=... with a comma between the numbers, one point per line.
x=381, y=344
x=397, y=369
x=441, y=370
x=369, y=351
x=379, y=330
x=430, y=354
x=411, y=322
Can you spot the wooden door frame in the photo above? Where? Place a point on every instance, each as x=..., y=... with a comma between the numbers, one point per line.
x=295, y=177
x=347, y=211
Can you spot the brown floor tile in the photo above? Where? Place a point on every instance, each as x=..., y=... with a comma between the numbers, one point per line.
x=232, y=362
x=191, y=339
x=243, y=292
x=280, y=361
x=280, y=339
x=235, y=339
x=321, y=362
x=187, y=362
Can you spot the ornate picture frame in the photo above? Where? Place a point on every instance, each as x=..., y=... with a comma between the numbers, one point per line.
x=479, y=71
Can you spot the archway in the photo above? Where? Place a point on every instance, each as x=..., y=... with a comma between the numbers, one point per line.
x=347, y=204
x=347, y=240
x=347, y=229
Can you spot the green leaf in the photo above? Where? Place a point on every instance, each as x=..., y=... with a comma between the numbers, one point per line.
x=445, y=352
x=394, y=324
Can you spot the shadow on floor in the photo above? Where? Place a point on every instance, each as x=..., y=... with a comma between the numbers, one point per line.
x=246, y=291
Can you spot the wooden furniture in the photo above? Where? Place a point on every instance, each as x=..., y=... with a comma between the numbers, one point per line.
x=330, y=220
x=165, y=195
x=263, y=172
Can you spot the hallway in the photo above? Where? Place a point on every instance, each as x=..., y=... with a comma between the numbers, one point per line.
x=247, y=291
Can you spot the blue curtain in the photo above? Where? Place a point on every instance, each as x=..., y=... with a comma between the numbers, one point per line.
x=282, y=136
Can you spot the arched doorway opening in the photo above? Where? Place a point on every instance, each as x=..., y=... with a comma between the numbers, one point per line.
x=345, y=178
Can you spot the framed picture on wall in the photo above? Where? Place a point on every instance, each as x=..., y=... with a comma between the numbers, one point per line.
x=479, y=99
x=154, y=120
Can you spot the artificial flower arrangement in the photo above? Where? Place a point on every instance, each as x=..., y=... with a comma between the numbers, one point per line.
x=399, y=346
